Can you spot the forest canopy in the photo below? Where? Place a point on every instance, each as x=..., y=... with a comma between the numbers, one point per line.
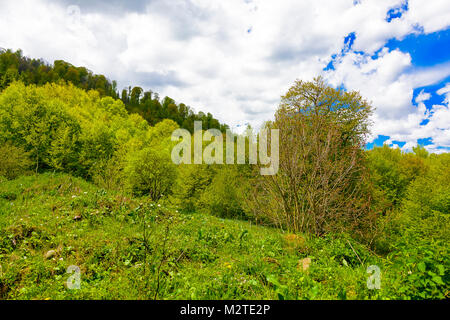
x=14, y=66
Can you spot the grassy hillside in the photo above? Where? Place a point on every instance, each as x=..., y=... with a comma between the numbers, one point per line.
x=135, y=249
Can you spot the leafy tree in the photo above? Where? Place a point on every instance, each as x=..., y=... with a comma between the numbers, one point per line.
x=14, y=161
x=320, y=186
x=190, y=184
x=392, y=171
x=151, y=172
x=224, y=196
x=14, y=66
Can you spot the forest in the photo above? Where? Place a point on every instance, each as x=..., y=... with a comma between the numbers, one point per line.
x=14, y=66
x=87, y=180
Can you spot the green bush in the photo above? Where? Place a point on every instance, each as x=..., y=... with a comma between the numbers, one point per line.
x=430, y=193
x=14, y=161
x=190, y=184
x=392, y=171
x=224, y=197
x=150, y=172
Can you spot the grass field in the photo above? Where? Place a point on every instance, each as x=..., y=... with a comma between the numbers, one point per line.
x=134, y=249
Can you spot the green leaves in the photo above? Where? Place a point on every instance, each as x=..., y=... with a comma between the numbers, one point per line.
x=421, y=266
x=280, y=290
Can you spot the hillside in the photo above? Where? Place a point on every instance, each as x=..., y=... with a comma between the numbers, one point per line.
x=131, y=248
x=14, y=66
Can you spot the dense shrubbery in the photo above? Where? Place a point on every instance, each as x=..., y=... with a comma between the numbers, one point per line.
x=63, y=128
x=415, y=231
x=392, y=171
x=226, y=194
x=14, y=161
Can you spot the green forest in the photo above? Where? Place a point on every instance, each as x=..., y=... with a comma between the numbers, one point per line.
x=87, y=180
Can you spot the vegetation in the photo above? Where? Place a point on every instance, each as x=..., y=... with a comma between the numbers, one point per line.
x=14, y=67
x=86, y=183
x=204, y=257
x=320, y=185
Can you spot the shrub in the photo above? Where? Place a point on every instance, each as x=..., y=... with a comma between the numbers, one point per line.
x=320, y=186
x=224, y=196
x=151, y=172
x=190, y=184
x=14, y=161
x=392, y=171
x=429, y=194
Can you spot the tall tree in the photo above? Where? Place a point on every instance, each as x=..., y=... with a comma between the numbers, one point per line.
x=319, y=186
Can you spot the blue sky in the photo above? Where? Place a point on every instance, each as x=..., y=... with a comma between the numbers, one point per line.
x=426, y=50
x=235, y=58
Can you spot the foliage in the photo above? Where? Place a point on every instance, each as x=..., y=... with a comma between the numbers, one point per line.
x=14, y=161
x=429, y=194
x=392, y=171
x=14, y=67
x=150, y=172
x=224, y=197
x=320, y=184
x=190, y=184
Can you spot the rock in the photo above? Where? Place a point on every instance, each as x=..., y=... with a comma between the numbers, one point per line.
x=50, y=254
x=305, y=263
x=77, y=218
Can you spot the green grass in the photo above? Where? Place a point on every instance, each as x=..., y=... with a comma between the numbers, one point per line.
x=134, y=249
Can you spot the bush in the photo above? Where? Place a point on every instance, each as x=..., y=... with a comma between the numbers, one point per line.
x=418, y=236
x=14, y=161
x=320, y=186
x=429, y=194
x=224, y=196
x=392, y=171
x=190, y=184
x=150, y=172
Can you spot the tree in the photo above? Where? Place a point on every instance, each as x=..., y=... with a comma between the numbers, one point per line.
x=319, y=187
x=150, y=172
x=135, y=95
x=14, y=161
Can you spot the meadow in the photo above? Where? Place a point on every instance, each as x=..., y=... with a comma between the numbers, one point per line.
x=130, y=248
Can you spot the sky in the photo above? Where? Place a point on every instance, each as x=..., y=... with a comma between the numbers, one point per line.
x=236, y=58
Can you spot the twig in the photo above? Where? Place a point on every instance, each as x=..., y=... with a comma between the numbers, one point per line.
x=355, y=252
x=164, y=258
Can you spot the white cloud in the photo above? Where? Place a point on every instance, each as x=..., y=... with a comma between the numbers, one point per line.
x=235, y=58
x=422, y=96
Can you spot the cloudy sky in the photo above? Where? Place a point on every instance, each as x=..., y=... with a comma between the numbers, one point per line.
x=235, y=58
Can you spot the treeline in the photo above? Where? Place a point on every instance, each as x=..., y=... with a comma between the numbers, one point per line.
x=14, y=66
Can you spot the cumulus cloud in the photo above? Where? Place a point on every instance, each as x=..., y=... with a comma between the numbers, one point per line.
x=236, y=58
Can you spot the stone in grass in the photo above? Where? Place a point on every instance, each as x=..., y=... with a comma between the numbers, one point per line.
x=77, y=218
x=50, y=254
x=304, y=264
